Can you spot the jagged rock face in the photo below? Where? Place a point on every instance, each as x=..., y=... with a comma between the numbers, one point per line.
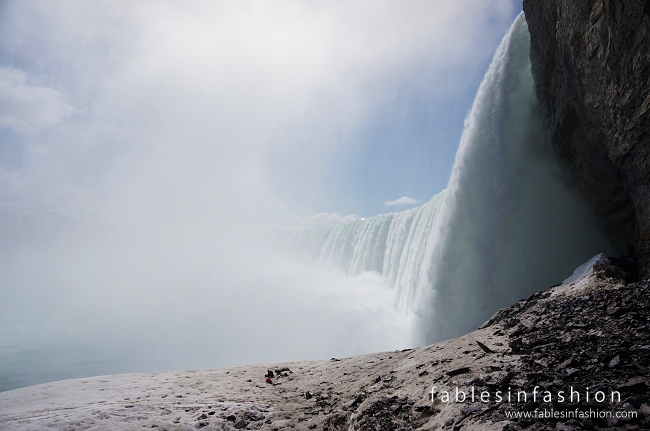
x=591, y=66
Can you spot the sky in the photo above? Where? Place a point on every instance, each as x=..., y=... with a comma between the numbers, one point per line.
x=304, y=107
x=153, y=153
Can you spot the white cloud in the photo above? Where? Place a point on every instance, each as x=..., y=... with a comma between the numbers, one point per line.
x=26, y=108
x=403, y=201
x=327, y=219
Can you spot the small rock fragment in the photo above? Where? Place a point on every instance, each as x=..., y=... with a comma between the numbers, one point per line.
x=457, y=371
x=358, y=400
x=629, y=407
x=645, y=409
x=485, y=348
x=571, y=371
x=506, y=379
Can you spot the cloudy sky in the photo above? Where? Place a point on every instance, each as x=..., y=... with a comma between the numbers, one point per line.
x=295, y=107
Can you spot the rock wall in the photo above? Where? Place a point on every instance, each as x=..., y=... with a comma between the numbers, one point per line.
x=591, y=65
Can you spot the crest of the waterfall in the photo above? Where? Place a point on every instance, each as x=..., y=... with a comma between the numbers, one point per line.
x=392, y=245
x=507, y=226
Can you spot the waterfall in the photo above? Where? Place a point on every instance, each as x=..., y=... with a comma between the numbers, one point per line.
x=392, y=245
x=508, y=226
x=505, y=227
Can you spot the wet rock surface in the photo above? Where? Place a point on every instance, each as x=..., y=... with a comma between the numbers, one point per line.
x=592, y=335
x=591, y=66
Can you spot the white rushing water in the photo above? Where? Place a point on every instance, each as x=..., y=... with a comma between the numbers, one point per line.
x=505, y=227
x=508, y=227
x=392, y=245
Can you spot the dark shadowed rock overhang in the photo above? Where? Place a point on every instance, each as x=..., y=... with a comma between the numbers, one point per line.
x=591, y=66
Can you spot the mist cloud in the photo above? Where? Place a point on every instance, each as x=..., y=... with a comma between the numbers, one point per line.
x=327, y=219
x=28, y=108
x=174, y=134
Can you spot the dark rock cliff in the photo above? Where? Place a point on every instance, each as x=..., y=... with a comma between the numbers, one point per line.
x=591, y=66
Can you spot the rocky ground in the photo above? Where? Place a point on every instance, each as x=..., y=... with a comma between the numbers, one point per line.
x=588, y=336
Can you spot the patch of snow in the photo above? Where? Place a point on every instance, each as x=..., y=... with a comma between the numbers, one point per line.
x=585, y=269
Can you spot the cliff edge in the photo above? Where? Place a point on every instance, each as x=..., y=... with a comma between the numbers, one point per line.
x=591, y=66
